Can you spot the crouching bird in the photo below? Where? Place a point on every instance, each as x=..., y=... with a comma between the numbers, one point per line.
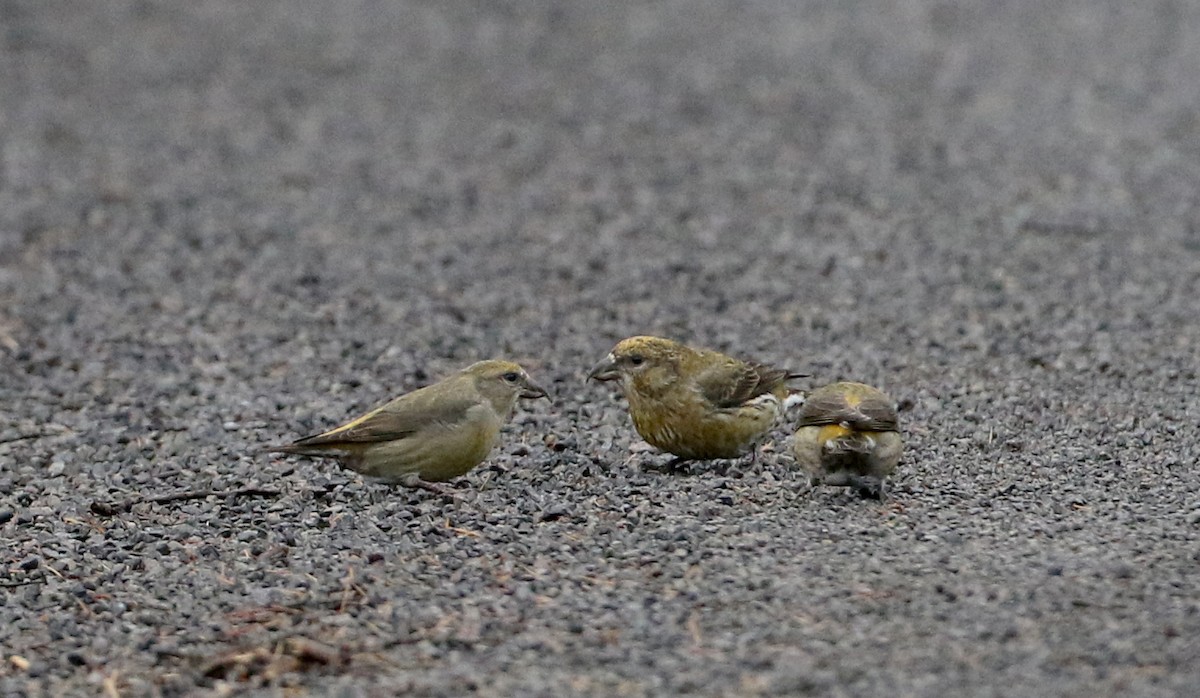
x=430, y=435
x=848, y=436
x=695, y=404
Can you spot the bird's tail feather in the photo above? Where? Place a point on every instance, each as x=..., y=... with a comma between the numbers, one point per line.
x=854, y=442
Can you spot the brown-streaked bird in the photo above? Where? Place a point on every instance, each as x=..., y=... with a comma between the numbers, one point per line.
x=695, y=404
x=849, y=436
x=430, y=435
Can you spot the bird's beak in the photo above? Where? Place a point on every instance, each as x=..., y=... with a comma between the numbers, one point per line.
x=606, y=370
x=531, y=390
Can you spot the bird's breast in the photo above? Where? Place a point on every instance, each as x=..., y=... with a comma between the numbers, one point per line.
x=693, y=429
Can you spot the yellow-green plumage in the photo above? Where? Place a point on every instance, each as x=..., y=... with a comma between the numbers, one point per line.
x=689, y=428
x=432, y=434
x=848, y=436
x=695, y=404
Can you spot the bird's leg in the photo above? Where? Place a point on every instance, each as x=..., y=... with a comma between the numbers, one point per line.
x=675, y=466
x=738, y=467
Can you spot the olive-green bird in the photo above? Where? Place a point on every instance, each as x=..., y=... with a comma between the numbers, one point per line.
x=430, y=435
x=849, y=436
x=695, y=404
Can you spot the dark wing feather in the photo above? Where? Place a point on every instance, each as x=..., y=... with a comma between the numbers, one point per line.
x=732, y=383
x=872, y=414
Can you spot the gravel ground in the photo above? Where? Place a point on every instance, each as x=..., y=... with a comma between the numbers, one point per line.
x=224, y=224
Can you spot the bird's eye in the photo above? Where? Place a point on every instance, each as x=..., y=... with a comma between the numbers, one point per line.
x=637, y=360
x=511, y=376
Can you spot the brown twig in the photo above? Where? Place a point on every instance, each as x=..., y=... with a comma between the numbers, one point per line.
x=114, y=508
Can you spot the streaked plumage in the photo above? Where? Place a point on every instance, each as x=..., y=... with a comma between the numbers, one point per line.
x=695, y=404
x=432, y=434
x=849, y=436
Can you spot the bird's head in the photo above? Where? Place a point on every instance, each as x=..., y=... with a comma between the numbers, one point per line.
x=640, y=363
x=502, y=382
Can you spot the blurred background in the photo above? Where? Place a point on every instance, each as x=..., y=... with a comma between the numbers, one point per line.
x=226, y=223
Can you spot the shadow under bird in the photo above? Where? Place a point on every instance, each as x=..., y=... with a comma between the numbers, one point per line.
x=430, y=435
x=696, y=404
x=849, y=436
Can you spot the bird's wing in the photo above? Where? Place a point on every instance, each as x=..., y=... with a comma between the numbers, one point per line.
x=730, y=383
x=872, y=413
x=398, y=419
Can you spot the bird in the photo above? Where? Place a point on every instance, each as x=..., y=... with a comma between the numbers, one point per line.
x=848, y=436
x=695, y=404
x=429, y=435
